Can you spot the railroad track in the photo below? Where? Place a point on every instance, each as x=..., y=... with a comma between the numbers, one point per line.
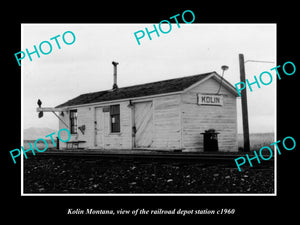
x=222, y=159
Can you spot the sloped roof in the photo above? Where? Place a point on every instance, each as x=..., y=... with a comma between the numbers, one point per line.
x=154, y=88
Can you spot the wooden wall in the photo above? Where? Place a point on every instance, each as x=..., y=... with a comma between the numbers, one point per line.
x=87, y=116
x=122, y=140
x=178, y=122
x=166, y=126
x=167, y=123
x=198, y=118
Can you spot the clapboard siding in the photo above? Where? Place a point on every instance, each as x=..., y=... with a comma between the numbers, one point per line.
x=122, y=140
x=167, y=125
x=198, y=118
x=176, y=121
x=84, y=117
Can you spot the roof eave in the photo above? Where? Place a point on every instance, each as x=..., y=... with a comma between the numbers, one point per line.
x=227, y=84
x=119, y=100
x=218, y=77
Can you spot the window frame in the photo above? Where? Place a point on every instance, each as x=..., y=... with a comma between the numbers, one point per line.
x=115, y=115
x=73, y=121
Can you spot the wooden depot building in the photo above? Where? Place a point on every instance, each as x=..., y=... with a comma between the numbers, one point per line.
x=165, y=115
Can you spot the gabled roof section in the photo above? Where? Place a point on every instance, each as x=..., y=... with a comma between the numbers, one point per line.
x=148, y=89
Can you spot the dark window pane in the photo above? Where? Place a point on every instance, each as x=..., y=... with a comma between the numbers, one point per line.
x=115, y=118
x=73, y=121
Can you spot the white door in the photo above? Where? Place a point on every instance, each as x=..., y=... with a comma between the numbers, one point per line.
x=143, y=116
x=99, y=128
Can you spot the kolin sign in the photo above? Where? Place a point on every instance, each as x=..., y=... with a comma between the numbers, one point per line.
x=204, y=99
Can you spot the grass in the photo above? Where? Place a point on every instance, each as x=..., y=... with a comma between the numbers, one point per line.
x=39, y=144
x=257, y=140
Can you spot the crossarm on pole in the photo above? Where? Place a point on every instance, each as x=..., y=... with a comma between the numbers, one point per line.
x=49, y=109
x=60, y=119
x=53, y=110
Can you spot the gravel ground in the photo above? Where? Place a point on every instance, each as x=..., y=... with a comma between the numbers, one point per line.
x=87, y=175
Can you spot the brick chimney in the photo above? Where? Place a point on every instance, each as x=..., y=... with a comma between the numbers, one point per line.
x=115, y=86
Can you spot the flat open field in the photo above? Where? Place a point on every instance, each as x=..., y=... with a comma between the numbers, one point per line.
x=48, y=174
x=257, y=140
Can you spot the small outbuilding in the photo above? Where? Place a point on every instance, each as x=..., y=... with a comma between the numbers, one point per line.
x=165, y=115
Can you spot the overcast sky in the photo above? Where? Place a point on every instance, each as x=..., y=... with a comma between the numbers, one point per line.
x=85, y=66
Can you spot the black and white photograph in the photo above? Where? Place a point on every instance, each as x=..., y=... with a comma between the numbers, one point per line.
x=127, y=111
x=162, y=117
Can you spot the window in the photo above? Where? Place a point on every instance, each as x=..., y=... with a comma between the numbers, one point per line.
x=73, y=121
x=115, y=118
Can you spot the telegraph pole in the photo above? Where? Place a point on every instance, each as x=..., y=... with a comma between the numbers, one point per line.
x=244, y=105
